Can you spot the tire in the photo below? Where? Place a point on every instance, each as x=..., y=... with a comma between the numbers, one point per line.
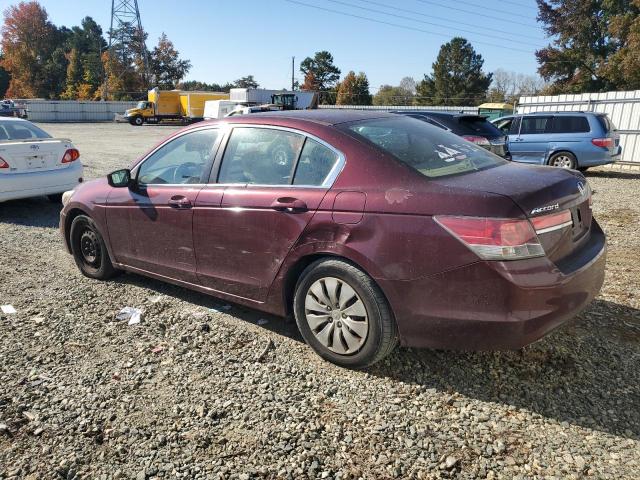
x=137, y=121
x=55, y=198
x=363, y=339
x=89, y=250
x=563, y=160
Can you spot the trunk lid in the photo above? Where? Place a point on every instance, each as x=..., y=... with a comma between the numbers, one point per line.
x=538, y=190
x=34, y=155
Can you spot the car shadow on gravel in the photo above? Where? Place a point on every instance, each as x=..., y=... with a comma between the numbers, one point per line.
x=587, y=373
x=31, y=212
x=275, y=324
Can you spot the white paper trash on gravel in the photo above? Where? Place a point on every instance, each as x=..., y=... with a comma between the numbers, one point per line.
x=8, y=309
x=134, y=315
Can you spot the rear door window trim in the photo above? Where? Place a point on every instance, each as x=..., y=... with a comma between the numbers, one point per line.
x=328, y=183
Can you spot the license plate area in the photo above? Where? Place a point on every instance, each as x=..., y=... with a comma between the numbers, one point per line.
x=581, y=218
x=35, y=162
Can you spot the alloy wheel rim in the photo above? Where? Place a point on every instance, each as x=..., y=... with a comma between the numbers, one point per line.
x=336, y=315
x=90, y=247
x=562, y=161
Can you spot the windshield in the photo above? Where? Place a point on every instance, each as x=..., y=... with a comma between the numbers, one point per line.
x=142, y=105
x=20, y=130
x=430, y=150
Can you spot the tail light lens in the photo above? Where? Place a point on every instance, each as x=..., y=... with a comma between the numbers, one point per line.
x=70, y=155
x=494, y=238
x=551, y=222
x=477, y=140
x=602, y=142
x=3, y=164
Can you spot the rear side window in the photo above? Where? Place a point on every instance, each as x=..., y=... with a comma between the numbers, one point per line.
x=569, y=124
x=605, y=123
x=428, y=150
x=260, y=156
x=534, y=125
x=315, y=165
x=21, y=131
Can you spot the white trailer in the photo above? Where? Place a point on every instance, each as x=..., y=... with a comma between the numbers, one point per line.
x=216, y=109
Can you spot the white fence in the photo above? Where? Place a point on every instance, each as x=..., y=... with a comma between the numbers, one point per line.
x=74, y=111
x=402, y=107
x=623, y=109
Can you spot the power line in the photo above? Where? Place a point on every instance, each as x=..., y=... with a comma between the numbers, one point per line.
x=403, y=26
x=428, y=23
x=519, y=35
x=492, y=17
x=475, y=5
x=526, y=4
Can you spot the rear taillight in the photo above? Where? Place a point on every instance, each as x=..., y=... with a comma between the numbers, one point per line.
x=477, y=140
x=70, y=155
x=551, y=222
x=494, y=238
x=3, y=164
x=602, y=142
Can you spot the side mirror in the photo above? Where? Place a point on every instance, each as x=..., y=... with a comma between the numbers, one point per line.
x=120, y=178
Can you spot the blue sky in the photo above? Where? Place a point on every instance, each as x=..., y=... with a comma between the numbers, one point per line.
x=227, y=39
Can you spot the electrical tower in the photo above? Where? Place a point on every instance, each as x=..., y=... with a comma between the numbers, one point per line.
x=126, y=30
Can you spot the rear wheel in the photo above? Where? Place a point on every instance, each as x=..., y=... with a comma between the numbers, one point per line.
x=89, y=250
x=563, y=160
x=55, y=198
x=343, y=315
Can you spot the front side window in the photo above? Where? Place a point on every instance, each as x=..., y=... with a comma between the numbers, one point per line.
x=261, y=156
x=315, y=165
x=430, y=151
x=534, y=125
x=504, y=125
x=180, y=161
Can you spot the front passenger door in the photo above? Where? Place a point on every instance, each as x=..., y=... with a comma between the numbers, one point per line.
x=150, y=223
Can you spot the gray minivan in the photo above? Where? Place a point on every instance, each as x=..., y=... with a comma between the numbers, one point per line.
x=576, y=140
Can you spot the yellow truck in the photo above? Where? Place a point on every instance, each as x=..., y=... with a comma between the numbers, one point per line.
x=161, y=105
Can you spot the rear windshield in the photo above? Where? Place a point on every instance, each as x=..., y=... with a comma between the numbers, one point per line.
x=430, y=150
x=21, y=131
x=478, y=126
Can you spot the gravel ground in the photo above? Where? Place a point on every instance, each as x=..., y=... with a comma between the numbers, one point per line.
x=195, y=393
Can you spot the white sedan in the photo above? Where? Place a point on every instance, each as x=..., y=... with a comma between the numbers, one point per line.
x=32, y=163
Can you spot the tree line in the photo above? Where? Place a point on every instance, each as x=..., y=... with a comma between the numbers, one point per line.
x=594, y=48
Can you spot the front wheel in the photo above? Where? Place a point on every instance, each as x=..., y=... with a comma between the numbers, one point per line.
x=89, y=250
x=137, y=121
x=343, y=315
x=563, y=160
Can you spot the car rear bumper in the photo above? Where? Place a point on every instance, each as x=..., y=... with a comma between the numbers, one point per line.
x=496, y=305
x=14, y=186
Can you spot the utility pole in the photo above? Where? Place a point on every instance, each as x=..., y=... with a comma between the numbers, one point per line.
x=293, y=69
x=125, y=31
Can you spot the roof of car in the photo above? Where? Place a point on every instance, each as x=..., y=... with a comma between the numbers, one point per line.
x=441, y=113
x=563, y=113
x=322, y=116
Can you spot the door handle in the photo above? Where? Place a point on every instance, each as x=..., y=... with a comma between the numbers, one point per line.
x=289, y=204
x=180, y=202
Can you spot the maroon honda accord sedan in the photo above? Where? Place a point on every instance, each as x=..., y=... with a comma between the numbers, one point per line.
x=371, y=229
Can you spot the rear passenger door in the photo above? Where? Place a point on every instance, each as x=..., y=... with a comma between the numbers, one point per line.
x=531, y=142
x=271, y=182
